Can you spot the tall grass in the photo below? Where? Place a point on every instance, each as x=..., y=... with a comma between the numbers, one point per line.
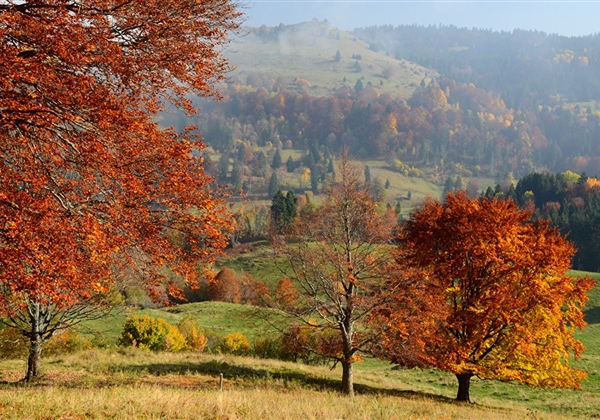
x=131, y=383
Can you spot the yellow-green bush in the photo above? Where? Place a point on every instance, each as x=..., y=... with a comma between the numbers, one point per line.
x=195, y=339
x=150, y=333
x=68, y=341
x=235, y=343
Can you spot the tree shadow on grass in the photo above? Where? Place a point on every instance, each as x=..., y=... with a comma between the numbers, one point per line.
x=592, y=316
x=231, y=371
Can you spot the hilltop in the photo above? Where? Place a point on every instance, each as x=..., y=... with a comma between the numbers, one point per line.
x=304, y=56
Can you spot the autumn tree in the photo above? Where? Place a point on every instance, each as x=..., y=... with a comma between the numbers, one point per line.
x=90, y=184
x=335, y=259
x=225, y=287
x=505, y=308
x=286, y=293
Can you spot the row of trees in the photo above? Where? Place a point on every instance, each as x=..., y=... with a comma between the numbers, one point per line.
x=475, y=287
x=572, y=204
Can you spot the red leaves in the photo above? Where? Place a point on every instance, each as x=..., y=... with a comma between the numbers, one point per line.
x=90, y=183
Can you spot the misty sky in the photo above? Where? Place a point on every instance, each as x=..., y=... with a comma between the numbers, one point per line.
x=567, y=17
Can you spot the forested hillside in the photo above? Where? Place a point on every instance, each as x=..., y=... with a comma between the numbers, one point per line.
x=527, y=68
x=504, y=103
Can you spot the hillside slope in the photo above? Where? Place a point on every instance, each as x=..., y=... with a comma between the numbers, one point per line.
x=308, y=51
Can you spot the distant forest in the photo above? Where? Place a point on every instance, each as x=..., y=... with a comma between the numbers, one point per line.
x=456, y=126
x=526, y=68
x=513, y=102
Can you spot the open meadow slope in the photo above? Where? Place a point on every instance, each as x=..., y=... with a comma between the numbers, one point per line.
x=130, y=383
x=308, y=51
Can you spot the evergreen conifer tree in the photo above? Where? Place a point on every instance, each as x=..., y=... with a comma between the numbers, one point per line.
x=277, y=161
x=273, y=184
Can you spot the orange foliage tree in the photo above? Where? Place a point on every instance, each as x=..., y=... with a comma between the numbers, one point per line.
x=504, y=307
x=334, y=257
x=286, y=293
x=225, y=287
x=89, y=183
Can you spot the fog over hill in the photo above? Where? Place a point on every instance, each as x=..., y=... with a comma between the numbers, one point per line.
x=430, y=108
x=319, y=58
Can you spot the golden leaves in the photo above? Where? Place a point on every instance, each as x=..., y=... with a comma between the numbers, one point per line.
x=495, y=300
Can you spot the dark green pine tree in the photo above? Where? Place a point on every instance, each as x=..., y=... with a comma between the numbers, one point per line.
x=458, y=184
x=223, y=168
x=273, y=184
x=284, y=209
x=277, y=161
x=330, y=167
x=290, y=165
x=237, y=174
x=512, y=193
x=278, y=210
x=448, y=187
x=398, y=208
x=367, y=174
x=314, y=181
x=291, y=208
x=359, y=84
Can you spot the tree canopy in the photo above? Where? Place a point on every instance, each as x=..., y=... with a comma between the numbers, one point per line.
x=334, y=257
x=89, y=182
x=504, y=306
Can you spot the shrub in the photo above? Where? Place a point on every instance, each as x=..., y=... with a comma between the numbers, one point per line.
x=225, y=287
x=190, y=329
x=269, y=347
x=12, y=344
x=309, y=345
x=69, y=341
x=415, y=173
x=153, y=334
x=286, y=293
x=235, y=343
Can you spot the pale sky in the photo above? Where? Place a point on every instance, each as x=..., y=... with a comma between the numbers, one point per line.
x=567, y=17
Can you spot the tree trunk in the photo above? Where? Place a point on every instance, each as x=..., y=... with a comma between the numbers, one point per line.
x=35, y=341
x=34, y=359
x=464, y=381
x=348, y=377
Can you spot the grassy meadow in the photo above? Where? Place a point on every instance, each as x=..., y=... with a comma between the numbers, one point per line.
x=307, y=51
x=123, y=383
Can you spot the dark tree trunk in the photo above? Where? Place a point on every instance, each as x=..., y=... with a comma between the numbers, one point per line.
x=34, y=358
x=464, y=381
x=348, y=378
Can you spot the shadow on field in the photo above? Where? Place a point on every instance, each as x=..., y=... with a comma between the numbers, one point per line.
x=592, y=316
x=231, y=371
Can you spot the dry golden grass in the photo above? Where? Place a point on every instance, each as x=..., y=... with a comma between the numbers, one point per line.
x=131, y=384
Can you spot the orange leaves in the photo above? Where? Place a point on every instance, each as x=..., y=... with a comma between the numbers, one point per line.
x=90, y=183
x=509, y=310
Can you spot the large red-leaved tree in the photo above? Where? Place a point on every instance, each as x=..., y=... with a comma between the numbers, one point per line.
x=89, y=183
x=501, y=303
